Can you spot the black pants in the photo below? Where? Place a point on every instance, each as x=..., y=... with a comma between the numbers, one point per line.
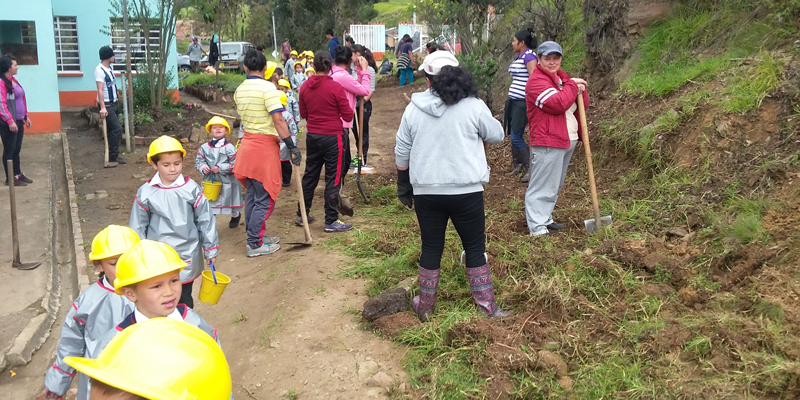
x=323, y=150
x=12, y=144
x=466, y=212
x=286, y=172
x=186, y=294
x=367, y=114
x=114, y=131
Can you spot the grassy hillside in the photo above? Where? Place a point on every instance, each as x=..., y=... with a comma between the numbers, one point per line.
x=692, y=293
x=393, y=11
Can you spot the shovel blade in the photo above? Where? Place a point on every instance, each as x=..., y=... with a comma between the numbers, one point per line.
x=591, y=225
x=345, y=207
x=26, y=266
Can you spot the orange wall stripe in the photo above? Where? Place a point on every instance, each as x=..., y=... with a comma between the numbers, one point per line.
x=44, y=122
x=78, y=99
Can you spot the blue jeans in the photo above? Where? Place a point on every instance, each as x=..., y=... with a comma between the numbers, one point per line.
x=406, y=72
x=516, y=139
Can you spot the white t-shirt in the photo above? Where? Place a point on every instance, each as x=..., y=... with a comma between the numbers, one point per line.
x=101, y=74
x=572, y=122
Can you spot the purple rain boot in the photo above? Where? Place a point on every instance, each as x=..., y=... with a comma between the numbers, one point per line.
x=428, y=284
x=480, y=282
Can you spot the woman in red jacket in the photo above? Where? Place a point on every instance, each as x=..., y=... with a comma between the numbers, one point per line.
x=551, y=97
x=324, y=106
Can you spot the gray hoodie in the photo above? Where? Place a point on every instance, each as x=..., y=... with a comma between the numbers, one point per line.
x=443, y=145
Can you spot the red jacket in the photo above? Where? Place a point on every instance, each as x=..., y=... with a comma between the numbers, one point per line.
x=324, y=105
x=547, y=106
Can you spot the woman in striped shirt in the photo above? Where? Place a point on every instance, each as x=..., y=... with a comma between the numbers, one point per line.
x=523, y=43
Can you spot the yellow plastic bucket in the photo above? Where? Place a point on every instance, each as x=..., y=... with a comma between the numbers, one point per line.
x=212, y=189
x=209, y=292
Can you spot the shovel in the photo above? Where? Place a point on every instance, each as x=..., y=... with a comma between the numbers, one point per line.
x=14, y=232
x=105, y=140
x=360, y=124
x=598, y=222
x=302, y=201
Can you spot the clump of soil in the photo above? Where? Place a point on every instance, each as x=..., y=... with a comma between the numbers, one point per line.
x=179, y=124
x=392, y=326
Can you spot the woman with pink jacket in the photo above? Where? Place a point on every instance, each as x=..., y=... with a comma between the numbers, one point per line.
x=342, y=59
x=14, y=115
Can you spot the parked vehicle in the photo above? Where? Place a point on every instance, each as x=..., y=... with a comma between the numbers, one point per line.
x=183, y=63
x=231, y=55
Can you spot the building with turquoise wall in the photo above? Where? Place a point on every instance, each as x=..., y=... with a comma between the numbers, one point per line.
x=57, y=65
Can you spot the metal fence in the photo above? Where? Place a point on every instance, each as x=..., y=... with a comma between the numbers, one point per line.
x=372, y=37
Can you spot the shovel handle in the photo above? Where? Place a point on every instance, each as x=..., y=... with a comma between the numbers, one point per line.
x=301, y=202
x=588, y=149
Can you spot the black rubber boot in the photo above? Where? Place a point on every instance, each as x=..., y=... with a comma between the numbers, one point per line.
x=526, y=162
x=516, y=161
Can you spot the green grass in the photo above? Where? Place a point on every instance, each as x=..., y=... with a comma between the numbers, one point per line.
x=228, y=81
x=747, y=89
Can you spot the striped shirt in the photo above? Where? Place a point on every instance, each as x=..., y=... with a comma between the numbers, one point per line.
x=256, y=100
x=519, y=74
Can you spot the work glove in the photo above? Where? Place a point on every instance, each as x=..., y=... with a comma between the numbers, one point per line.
x=293, y=151
x=404, y=190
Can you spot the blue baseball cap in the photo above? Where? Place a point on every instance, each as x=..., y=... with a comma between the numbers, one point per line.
x=548, y=48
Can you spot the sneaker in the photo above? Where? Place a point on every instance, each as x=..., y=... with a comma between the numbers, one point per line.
x=555, y=226
x=234, y=221
x=263, y=250
x=120, y=160
x=112, y=164
x=24, y=178
x=285, y=184
x=338, y=226
x=17, y=182
x=299, y=220
x=270, y=239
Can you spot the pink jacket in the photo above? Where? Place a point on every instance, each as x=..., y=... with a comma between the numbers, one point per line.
x=5, y=112
x=351, y=87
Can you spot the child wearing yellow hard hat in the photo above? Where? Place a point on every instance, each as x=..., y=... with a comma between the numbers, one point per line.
x=215, y=160
x=291, y=122
x=298, y=78
x=291, y=102
x=149, y=275
x=97, y=310
x=171, y=208
x=160, y=359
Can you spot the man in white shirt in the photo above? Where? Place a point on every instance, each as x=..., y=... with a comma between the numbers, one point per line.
x=107, y=99
x=195, y=52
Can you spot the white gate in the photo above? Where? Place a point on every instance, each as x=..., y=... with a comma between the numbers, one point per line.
x=372, y=37
x=419, y=33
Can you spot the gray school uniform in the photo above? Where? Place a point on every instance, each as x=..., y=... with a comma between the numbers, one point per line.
x=290, y=120
x=96, y=311
x=222, y=155
x=181, y=217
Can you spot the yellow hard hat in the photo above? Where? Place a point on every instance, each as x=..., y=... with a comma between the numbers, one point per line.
x=310, y=70
x=284, y=83
x=270, y=68
x=310, y=54
x=145, y=260
x=303, y=54
x=283, y=98
x=165, y=144
x=112, y=241
x=161, y=359
x=293, y=53
x=218, y=121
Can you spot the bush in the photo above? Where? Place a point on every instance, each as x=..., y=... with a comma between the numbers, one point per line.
x=229, y=82
x=141, y=90
x=483, y=68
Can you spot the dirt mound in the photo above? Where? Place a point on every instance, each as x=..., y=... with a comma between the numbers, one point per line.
x=392, y=326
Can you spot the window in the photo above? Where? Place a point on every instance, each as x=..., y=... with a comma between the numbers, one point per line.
x=67, y=55
x=138, y=46
x=18, y=39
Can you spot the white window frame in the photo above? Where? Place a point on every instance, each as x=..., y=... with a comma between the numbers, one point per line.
x=67, y=60
x=137, y=43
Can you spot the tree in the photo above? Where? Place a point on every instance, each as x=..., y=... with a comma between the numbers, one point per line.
x=259, y=29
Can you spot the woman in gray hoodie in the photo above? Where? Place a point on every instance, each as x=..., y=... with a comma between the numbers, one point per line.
x=441, y=165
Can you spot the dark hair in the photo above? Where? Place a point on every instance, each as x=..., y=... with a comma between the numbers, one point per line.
x=260, y=47
x=329, y=32
x=432, y=47
x=298, y=65
x=278, y=71
x=453, y=84
x=410, y=40
x=349, y=39
x=111, y=391
x=526, y=36
x=254, y=60
x=357, y=48
x=342, y=55
x=323, y=62
x=5, y=64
